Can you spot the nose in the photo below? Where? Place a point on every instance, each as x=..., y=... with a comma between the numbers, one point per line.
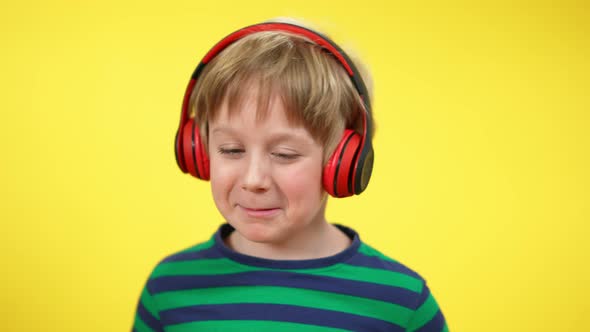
x=256, y=176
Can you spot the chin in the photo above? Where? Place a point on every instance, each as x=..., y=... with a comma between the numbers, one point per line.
x=258, y=232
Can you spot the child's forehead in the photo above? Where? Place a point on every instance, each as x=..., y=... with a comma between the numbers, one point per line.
x=247, y=118
x=274, y=135
x=256, y=106
x=274, y=118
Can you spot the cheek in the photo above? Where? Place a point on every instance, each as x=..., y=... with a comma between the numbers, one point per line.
x=302, y=185
x=222, y=180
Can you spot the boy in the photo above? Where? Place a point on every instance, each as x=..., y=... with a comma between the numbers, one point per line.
x=277, y=117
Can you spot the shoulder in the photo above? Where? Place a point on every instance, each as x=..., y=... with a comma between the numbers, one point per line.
x=196, y=251
x=374, y=258
x=374, y=267
x=370, y=265
x=176, y=262
x=413, y=291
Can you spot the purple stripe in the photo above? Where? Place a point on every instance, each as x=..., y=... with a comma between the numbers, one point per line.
x=193, y=255
x=148, y=318
x=276, y=312
x=436, y=324
x=390, y=294
x=359, y=259
x=423, y=296
x=375, y=262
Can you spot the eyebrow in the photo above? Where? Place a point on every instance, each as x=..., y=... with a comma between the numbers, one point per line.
x=278, y=136
x=222, y=130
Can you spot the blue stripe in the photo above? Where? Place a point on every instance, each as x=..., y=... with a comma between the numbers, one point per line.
x=423, y=297
x=208, y=253
x=358, y=259
x=275, y=312
x=375, y=262
x=436, y=324
x=148, y=318
x=389, y=294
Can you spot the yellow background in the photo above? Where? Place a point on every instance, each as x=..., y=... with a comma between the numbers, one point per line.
x=481, y=176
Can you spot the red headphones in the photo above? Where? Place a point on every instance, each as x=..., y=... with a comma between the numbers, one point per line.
x=349, y=168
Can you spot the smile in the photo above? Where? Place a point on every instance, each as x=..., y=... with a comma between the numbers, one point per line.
x=260, y=213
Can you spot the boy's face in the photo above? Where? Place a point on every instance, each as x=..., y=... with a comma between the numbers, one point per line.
x=265, y=174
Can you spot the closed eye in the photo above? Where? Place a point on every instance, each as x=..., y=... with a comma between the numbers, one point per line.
x=286, y=156
x=230, y=151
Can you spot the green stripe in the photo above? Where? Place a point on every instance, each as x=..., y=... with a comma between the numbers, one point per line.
x=220, y=266
x=248, y=325
x=287, y=296
x=201, y=246
x=424, y=314
x=140, y=326
x=148, y=303
x=201, y=267
x=365, y=274
x=369, y=251
x=446, y=328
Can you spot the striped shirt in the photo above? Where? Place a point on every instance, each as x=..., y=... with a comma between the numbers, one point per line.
x=210, y=287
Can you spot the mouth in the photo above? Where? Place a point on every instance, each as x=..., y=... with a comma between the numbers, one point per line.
x=260, y=212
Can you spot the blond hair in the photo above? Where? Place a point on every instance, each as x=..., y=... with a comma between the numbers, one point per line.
x=313, y=86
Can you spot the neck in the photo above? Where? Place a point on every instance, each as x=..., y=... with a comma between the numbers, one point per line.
x=318, y=240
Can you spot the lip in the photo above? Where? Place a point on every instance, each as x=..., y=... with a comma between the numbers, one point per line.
x=260, y=213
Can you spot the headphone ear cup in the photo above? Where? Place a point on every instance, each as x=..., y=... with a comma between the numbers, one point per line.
x=338, y=172
x=201, y=155
x=178, y=153
x=363, y=170
x=195, y=157
x=187, y=148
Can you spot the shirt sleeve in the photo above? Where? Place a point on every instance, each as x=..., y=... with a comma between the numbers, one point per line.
x=428, y=317
x=147, y=318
